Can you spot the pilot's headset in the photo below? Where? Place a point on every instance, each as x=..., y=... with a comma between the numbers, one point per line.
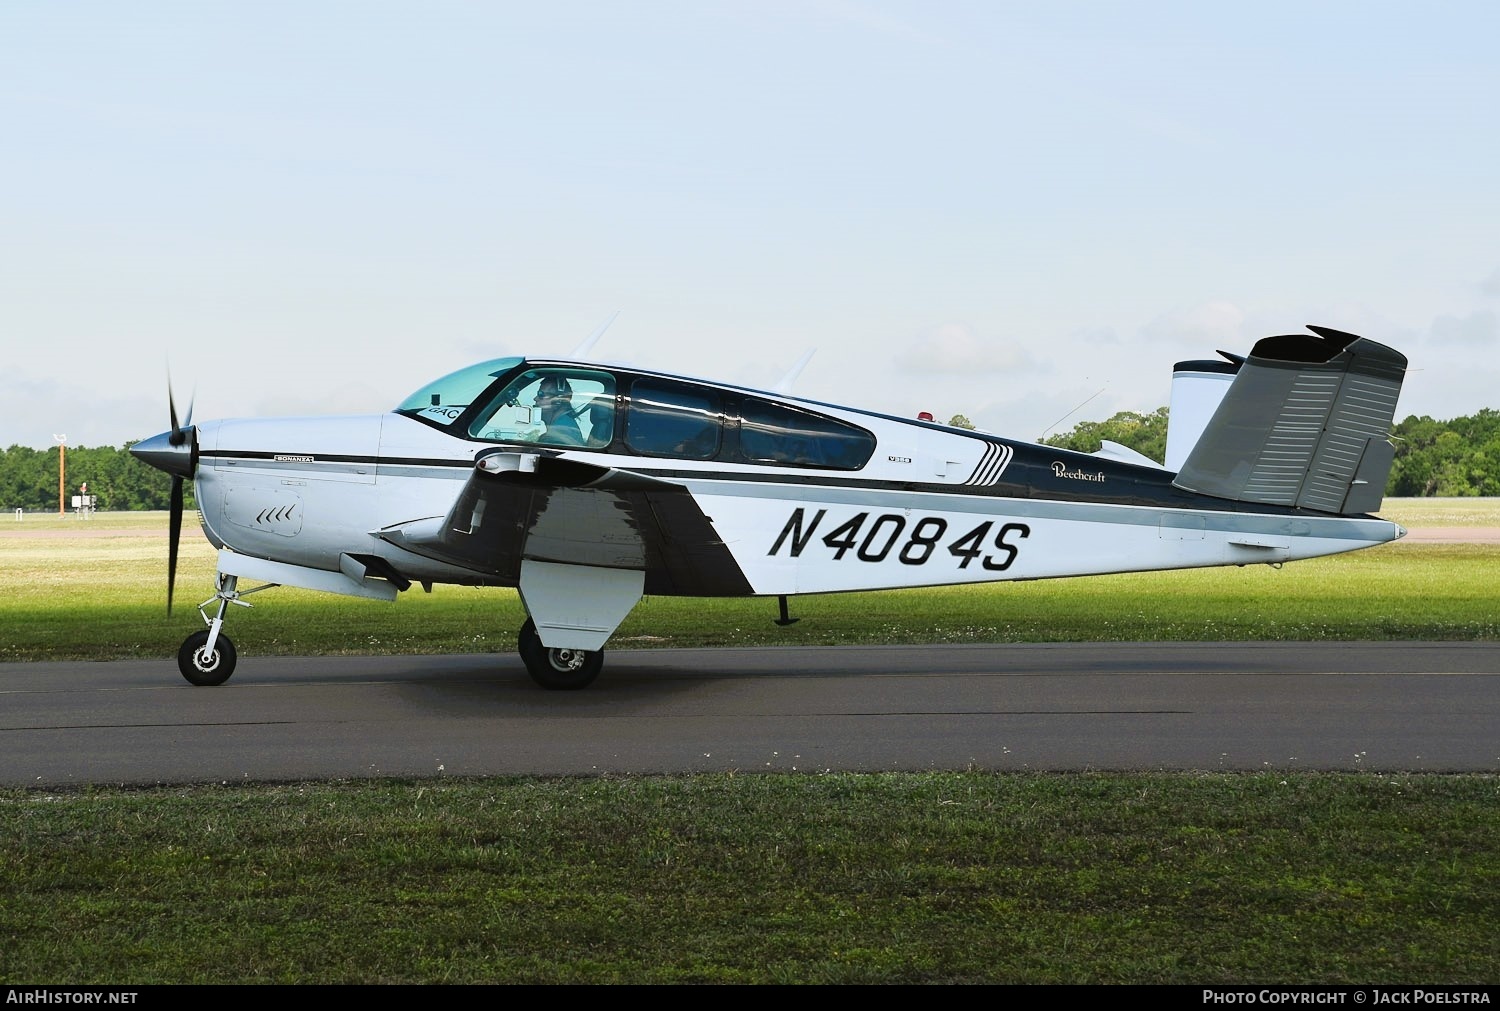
x=560, y=386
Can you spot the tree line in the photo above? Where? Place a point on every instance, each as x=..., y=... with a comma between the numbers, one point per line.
x=116, y=480
x=1449, y=458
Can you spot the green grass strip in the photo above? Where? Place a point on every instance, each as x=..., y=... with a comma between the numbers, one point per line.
x=898, y=878
x=114, y=609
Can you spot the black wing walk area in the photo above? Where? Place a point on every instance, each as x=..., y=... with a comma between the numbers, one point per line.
x=577, y=514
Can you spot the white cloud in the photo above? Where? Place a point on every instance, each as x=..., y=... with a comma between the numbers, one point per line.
x=1482, y=327
x=1491, y=285
x=1210, y=323
x=950, y=348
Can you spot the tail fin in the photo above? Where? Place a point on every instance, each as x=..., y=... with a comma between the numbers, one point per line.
x=1198, y=388
x=1304, y=423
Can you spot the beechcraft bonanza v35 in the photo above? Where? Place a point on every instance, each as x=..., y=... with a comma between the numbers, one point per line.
x=586, y=486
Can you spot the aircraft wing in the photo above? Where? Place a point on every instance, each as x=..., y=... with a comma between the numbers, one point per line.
x=537, y=507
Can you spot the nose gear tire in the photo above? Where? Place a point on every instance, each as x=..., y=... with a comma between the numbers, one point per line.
x=202, y=668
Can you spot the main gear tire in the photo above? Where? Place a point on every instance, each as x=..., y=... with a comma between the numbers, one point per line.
x=559, y=669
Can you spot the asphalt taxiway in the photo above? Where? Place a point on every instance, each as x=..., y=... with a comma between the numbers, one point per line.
x=1377, y=706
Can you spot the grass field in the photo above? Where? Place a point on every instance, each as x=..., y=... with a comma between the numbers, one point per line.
x=1443, y=512
x=946, y=877
x=96, y=589
x=936, y=878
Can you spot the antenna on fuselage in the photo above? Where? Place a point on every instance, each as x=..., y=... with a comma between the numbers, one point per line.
x=583, y=349
x=785, y=385
x=1074, y=411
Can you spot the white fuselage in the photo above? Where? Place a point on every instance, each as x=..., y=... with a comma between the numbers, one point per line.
x=308, y=491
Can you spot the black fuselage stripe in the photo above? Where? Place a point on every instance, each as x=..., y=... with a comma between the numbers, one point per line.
x=981, y=468
x=314, y=459
x=995, y=465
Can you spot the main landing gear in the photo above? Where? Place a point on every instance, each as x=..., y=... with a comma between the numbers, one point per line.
x=208, y=657
x=557, y=669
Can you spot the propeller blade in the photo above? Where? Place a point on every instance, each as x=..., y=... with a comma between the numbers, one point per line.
x=179, y=431
x=176, y=453
x=174, y=534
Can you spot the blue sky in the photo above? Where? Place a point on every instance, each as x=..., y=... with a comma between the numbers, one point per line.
x=999, y=209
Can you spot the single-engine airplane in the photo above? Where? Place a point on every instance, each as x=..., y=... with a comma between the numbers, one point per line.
x=587, y=486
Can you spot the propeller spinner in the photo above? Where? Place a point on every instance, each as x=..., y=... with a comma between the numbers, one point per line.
x=174, y=452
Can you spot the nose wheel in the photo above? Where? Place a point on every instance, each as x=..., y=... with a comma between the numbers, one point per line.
x=203, y=665
x=557, y=669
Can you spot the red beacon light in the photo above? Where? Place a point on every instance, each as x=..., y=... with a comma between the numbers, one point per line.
x=925, y=416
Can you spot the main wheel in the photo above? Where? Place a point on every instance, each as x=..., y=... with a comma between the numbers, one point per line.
x=558, y=669
x=201, y=667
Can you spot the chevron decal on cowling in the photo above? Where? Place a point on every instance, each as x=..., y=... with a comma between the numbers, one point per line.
x=275, y=515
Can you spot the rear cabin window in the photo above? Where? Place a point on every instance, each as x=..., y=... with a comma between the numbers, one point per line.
x=771, y=433
x=670, y=420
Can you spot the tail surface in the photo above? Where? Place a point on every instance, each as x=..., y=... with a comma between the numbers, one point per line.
x=1304, y=423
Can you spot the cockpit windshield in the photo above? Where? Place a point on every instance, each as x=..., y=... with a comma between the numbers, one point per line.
x=441, y=402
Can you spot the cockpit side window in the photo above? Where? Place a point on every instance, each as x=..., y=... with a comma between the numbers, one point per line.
x=562, y=407
x=777, y=434
x=670, y=419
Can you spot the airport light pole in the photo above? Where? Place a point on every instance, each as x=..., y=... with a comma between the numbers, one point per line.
x=62, y=455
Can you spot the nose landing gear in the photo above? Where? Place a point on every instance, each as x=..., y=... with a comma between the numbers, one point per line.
x=207, y=658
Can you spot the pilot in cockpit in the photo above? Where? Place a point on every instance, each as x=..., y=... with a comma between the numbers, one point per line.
x=554, y=399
